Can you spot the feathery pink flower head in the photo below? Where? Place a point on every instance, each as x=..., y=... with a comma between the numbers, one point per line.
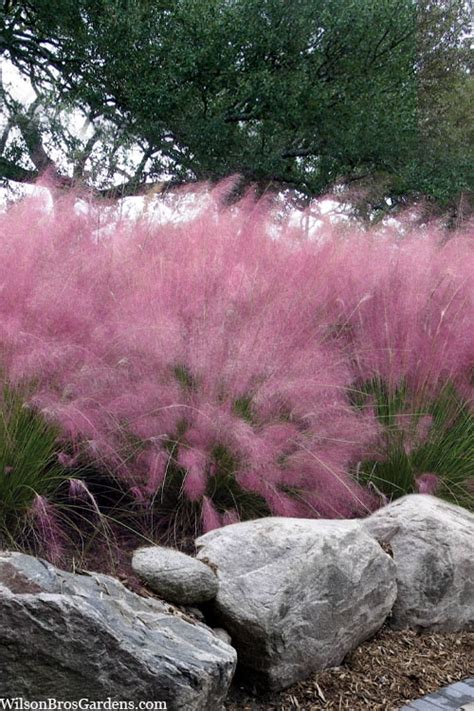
x=45, y=521
x=427, y=483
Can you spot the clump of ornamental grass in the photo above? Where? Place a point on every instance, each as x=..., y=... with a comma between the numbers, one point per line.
x=210, y=365
x=30, y=473
x=404, y=309
x=426, y=444
x=42, y=507
x=184, y=358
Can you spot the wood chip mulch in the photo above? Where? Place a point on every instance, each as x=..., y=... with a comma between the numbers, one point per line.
x=383, y=674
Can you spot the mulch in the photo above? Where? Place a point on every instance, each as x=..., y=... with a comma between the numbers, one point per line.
x=383, y=674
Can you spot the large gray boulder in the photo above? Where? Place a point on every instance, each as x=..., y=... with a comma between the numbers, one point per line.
x=297, y=595
x=433, y=549
x=174, y=576
x=86, y=636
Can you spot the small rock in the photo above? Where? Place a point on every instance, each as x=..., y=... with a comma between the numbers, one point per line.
x=222, y=634
x=433, y=549
x=297, y=595
x=175, y=576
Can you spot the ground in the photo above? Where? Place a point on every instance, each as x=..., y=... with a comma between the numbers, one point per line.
x=382, y=674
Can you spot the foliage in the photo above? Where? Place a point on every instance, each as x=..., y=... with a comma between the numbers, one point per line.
x=183, y=335
x=215, y=366
x=301, y=95
x=429, y=450
x=406, y=305
x=29, y=466
x=46, y=507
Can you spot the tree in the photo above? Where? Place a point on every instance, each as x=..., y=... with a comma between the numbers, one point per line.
x=445, y=96
x=300, y=93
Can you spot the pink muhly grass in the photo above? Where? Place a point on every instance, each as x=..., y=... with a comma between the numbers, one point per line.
x=78, y=489
x=156, y=465
x=229, y=517
x=138, y=495
x=414, y=430
x=50, y=536
x=212, y=351
x=427, y=483
x=210, y=517
x=79, y=492
x=67, y=460
x=194, y=463
x=406, y=311
x=423, y=427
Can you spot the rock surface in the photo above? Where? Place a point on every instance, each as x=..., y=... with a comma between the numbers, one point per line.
x=297, y=595
x=86, y=636
x=175, y=576
x=433, y=549
x=222, y=634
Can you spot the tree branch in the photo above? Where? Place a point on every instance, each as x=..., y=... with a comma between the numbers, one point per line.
x=133, y=187
x=12, y=171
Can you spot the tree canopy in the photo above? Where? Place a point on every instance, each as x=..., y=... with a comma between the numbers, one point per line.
x=286, y=93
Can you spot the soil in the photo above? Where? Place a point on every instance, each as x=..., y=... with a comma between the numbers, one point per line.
x=383, y=674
